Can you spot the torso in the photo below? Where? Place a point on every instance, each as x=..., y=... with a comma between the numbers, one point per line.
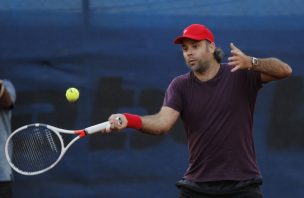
x=217, y=116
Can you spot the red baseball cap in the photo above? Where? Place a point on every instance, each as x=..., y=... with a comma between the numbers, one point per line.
x=196, y=32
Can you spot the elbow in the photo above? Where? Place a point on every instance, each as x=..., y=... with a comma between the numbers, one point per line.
x=156, y=131
x=283, y=69
x=163, y=131
x=288, y=71
x=164, y=127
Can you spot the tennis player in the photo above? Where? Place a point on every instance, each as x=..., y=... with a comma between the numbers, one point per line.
x=7, y=100
x=216, y=104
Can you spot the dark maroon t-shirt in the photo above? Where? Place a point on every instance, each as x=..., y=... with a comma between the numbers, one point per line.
x=218, y=120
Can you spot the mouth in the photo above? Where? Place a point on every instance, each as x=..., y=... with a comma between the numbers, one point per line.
x=191, y=61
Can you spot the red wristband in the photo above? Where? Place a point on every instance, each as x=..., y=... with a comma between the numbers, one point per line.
x=134, y=121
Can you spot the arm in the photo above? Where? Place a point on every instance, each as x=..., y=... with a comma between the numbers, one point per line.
x=156, y=124
x=161, y=122
x=5, y=99
x=270, y=68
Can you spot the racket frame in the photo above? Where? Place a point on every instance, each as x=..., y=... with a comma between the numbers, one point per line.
x=80, y=133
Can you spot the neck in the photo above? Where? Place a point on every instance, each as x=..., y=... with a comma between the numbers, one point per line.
x=209, y=73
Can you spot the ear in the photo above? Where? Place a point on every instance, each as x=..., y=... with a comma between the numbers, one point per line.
x=212, y=47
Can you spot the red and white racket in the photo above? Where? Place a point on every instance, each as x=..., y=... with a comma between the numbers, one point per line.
x=36, y=148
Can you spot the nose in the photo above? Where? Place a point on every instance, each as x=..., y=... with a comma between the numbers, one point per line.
x=189, y=52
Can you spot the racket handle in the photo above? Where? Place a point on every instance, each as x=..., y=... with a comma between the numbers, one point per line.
x=97, y=128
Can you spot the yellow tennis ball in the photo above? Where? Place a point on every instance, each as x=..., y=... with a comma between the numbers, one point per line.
x=72, y=94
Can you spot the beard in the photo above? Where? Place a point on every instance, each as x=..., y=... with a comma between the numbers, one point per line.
x=199, y=67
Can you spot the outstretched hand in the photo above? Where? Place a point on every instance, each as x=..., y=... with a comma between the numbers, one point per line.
x=117, y=123
x=238, y=60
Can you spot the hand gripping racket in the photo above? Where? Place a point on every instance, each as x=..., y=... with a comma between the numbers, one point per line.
x=36, y=148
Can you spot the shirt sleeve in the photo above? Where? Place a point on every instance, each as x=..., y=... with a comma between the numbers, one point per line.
x=173, y=96
x=254, y=80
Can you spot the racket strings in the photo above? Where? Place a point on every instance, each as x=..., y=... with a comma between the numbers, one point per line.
x=34, y=148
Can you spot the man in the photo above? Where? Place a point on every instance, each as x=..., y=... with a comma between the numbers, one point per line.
x=7, y=100
x=216, y=104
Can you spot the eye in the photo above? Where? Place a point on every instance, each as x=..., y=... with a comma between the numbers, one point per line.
x=184, y=48
x=195, y=46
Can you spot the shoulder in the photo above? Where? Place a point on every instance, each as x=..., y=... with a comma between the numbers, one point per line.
x=180, y=81
x=181, y=78
x=226, y=68
x=8, y=84
x=241, y=72
x=249, y=77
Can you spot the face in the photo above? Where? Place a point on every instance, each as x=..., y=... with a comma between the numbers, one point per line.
x=198, y=54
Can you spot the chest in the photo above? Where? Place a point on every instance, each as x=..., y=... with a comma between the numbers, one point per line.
x=202, y=100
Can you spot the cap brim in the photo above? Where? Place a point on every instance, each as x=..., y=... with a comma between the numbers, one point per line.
x=179, y=40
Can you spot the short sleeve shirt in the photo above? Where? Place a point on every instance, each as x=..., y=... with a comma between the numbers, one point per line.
x=218, y=119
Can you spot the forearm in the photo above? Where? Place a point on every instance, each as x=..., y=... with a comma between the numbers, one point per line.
x=273, y=67
x=154, y=125
x=270, y=68
x=157, y=124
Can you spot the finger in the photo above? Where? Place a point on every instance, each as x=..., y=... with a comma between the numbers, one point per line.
x=110, y=128
x=235, y=68
x=118, y=121
x=112, y=125
x=106, y=130
x=233, y=63
x=235, y=52
x=232, y=58
x=110, y=118
x=233, y=47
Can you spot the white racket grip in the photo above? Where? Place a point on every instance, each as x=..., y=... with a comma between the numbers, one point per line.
x=97, y=128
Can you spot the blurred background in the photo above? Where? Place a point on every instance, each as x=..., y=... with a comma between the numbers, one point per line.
x=121, y=56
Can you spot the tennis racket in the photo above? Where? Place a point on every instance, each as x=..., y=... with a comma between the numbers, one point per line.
x=36, y=148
